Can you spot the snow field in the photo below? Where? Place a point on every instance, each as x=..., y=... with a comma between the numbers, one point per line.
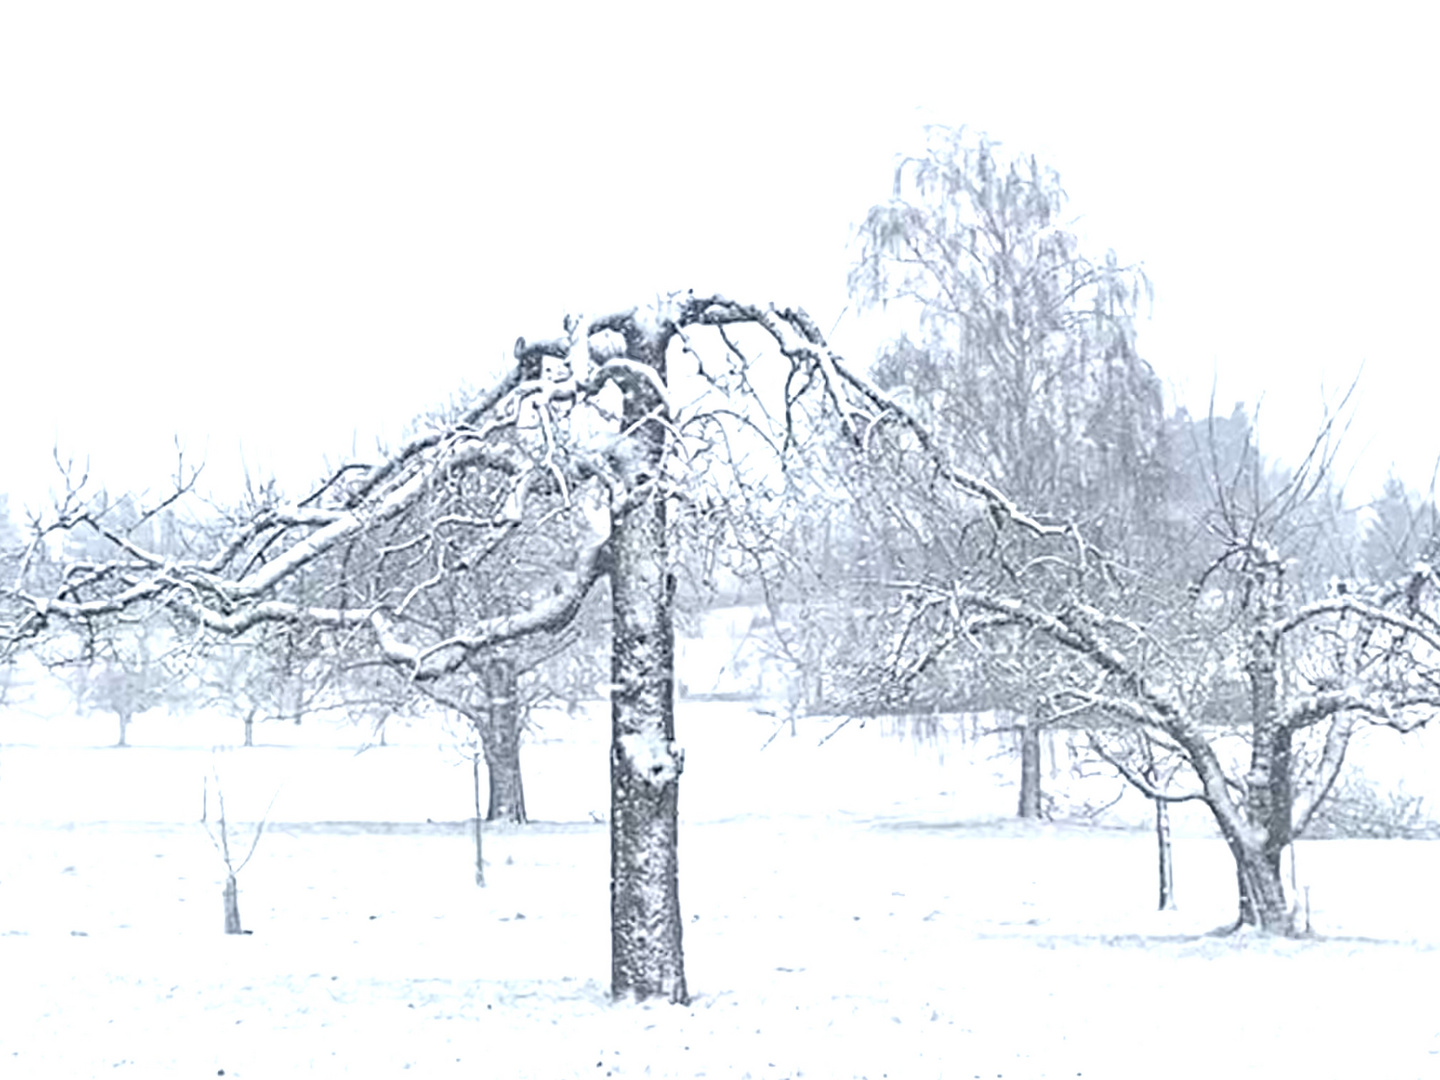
x=846, y=916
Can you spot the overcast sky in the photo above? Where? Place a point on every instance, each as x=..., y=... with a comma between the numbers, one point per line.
x=290, y=227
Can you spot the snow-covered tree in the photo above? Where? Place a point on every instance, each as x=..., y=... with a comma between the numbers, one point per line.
x=478, y=559
x=1235, y=651
x=602, y=434
x=1025, y=370
x=117, y=663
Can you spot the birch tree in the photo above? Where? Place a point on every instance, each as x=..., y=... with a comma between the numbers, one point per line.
x=1025, y=367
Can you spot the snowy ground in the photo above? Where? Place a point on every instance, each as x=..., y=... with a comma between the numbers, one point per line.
x=853, y=909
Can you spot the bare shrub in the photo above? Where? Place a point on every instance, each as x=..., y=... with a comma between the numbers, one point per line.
x=1359, y=809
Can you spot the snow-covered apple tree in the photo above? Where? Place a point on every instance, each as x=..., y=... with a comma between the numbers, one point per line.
x=602, y=434
x=1234, y=653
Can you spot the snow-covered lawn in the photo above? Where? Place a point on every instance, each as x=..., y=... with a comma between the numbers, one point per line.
x=846, y=915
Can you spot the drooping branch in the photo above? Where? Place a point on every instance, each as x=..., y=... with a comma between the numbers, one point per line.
x=550, y=615
x=1137, y=700
x=244, y=582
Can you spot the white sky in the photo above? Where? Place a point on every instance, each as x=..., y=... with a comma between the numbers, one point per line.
x=292, y=226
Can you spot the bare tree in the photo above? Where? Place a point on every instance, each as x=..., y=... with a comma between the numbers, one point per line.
x=231, y=894
x=117, y=673
x=1026, y=369
x=588, y=431
x=472, y=568
x=1245, y=657
x=271, y=672
x=114, y=664
x=1144, y=769
x=495, y=718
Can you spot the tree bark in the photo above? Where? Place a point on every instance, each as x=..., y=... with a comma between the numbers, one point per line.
x=1263, y=903
x=1030, y=791
x=647, y=956
x=124, y=727
x=1269, y=795
x=502, y=743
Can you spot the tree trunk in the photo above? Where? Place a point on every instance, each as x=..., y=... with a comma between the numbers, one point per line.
x=250, y=728
x=1269, y=801
x=1263, y=904
x=1163, y=846
x=1166, y=853
x=647, y=957
x=124, y=727
x=502, y=743
x=232, y=905
x=1029, y=770
x=479, y=829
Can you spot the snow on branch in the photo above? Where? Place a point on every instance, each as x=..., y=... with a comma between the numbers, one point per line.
x=254, y=568
x=1389, y=706
x=551, y=614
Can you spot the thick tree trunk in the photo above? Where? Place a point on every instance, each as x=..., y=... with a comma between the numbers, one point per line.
x=647, y=956
x=502, y=744
x=1030, y=791
x=507, y=793
x=124, y=728
x=1263, y=903
x=1269, y=801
